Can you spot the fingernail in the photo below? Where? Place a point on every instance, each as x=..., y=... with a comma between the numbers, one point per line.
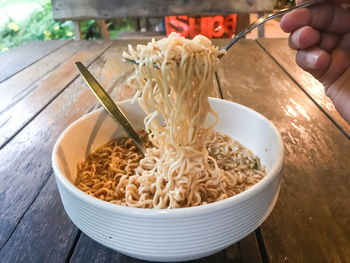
x=295, y=39
x=312, y=57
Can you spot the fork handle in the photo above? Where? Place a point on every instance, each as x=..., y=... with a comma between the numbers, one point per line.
x=266, y=18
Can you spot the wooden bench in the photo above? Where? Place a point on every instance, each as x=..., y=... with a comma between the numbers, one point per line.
x=100, y=10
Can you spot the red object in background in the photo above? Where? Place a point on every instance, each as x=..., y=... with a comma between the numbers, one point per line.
x=209, y=26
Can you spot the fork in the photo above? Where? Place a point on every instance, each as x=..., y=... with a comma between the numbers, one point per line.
x=264, y=19
x=258, y=22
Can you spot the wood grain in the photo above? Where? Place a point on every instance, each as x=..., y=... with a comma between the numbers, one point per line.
x=279, y=50
x=89, y=251
x=45, y=233
x=78, y=10
x=249, y=249
x=25, y=163
x=31, y=90
x=17, y=59
x=310, y=222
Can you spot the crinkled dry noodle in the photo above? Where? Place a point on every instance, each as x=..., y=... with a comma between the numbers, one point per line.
x=190, y=164
x=106, y=171
x=240, y=170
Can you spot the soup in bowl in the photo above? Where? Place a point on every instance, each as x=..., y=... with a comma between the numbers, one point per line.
x=178, y=234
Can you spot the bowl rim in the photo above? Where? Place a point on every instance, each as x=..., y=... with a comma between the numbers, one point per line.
x=275, y=170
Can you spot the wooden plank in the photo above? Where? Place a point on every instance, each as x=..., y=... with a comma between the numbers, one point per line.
x=25, y=161
x=77, y=30
x=45, y=233
x=279, y=50
x=141, y=36
x=249, y=249
x=310, y=222
x=88, y=250
x=78, y=10
x=103, y=28
x=26, y=93
x=91, y=251
x=21, y=57
x=24, y=81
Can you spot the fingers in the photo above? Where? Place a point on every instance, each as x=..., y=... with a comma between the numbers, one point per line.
x=319, y=17
x=329, y=42
x=304, y=37
x=324, y=17
x=339, y=93
x=321, y=34
x=298, y=2
x=295, y=19
x=327, y=68
x=316, y=61
x=340, y=23
x=340, y=62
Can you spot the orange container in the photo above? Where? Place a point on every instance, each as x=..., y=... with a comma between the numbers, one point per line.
x=209, y=26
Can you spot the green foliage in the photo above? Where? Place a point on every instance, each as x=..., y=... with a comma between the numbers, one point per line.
x=282, y=4
x=91, y=30
x=40, y=25
x=118, y=25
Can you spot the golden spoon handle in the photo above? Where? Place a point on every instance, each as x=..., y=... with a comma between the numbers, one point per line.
x=112, y=108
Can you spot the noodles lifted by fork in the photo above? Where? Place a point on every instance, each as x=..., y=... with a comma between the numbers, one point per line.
x=177, y=89
x=179, y=171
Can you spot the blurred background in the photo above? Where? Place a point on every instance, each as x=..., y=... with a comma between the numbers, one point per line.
x=23, y=21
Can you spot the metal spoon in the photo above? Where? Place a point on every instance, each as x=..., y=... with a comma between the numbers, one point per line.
x=260, y=21
x=113, y=109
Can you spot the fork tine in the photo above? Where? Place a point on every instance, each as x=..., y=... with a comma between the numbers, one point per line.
x=266, y=18
x=129, y=61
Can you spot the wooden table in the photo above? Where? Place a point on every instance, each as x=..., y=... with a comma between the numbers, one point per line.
x=41, y=94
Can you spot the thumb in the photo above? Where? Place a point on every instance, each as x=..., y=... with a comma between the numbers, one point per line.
x=339, y=93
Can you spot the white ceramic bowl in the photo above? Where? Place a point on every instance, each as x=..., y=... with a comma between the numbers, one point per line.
x=171, y=234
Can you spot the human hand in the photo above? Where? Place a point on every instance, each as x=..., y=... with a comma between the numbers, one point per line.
x=321, y=34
